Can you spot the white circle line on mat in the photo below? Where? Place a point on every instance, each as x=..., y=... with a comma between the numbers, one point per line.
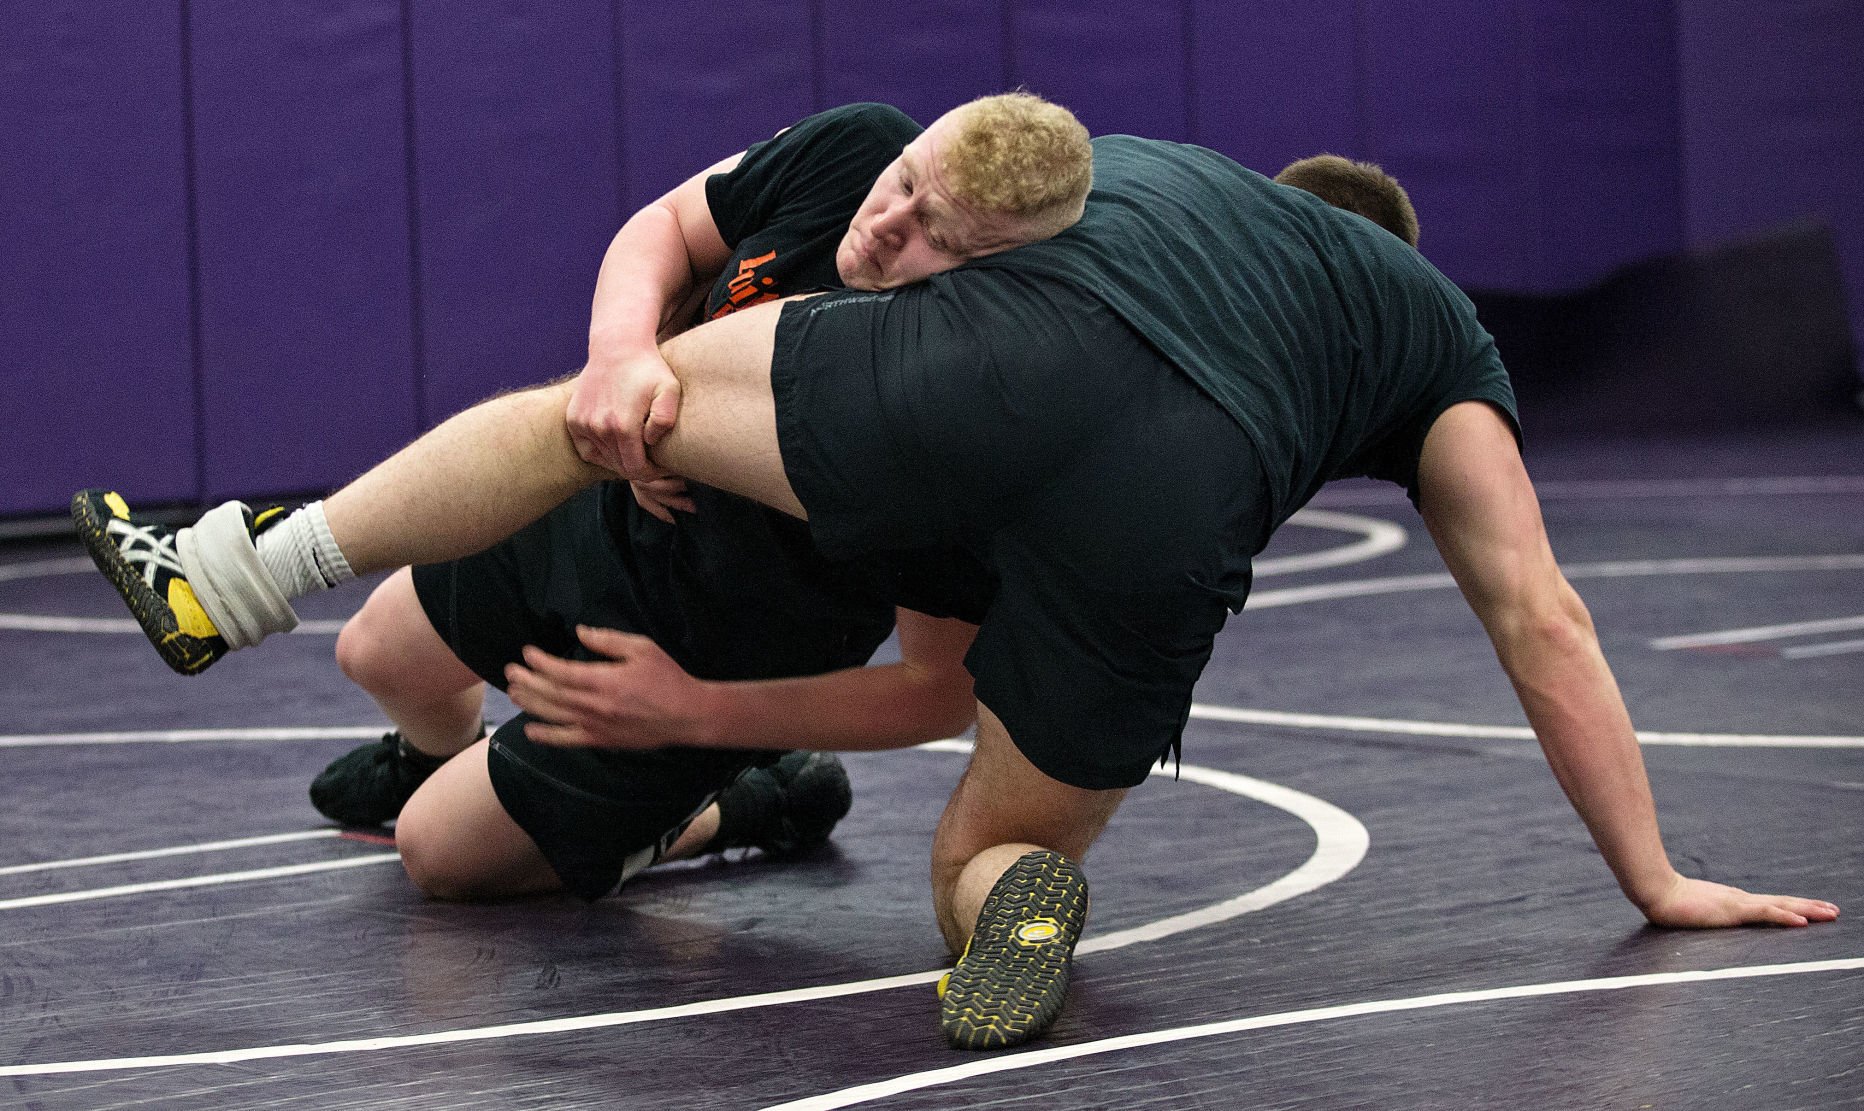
x=1341, y=843
x=1035, y=1058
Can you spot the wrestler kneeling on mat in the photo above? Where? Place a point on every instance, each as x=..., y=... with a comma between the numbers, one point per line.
x=732, y=590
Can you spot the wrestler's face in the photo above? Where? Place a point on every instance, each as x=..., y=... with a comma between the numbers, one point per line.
x=911, y=227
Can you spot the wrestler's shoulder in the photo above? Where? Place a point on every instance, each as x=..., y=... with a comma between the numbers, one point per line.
x=866, y=119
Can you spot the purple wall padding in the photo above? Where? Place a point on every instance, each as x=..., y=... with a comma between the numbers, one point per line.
x=307, y=349
x=1773, y=122
x=1119, y=66
x=94, y=328
x=1757, y=330
x=1609, y=161
x=396, y=208
x=938, y=54
x=1449, y=108
x=701, y=81
x=1275, y=83
x=515, y=168
x=1538, y=140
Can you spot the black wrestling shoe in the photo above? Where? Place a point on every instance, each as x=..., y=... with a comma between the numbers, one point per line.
x=1009, y=984
x=789, y=807
x=370, y=784
x=138, y=557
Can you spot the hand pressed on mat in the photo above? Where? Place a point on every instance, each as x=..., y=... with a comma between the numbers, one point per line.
x=1700, y=904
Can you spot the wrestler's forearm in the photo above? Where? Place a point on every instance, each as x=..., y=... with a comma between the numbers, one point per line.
x=1579, y=717
x=925, y=697
x=857, y=710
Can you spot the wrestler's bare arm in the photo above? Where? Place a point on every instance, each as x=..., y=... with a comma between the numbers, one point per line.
x=1482, y=512
x=636, y=696
x=659, y=264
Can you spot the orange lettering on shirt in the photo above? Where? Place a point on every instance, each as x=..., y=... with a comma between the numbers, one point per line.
x=743, y=287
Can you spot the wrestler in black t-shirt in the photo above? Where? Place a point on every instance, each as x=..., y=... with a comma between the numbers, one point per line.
x=732, y=591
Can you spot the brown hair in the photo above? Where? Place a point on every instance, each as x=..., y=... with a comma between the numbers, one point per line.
x=1018, y=155
x=1360, y=187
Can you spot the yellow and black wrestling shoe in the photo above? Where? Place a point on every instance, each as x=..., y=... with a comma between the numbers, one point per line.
x=140, y=559
x=1009, y=985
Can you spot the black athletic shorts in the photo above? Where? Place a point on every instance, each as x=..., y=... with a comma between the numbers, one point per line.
x=597, y=815
x=1116, y=505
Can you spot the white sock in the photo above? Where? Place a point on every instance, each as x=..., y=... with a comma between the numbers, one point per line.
x=232, y=586
x=301, y=555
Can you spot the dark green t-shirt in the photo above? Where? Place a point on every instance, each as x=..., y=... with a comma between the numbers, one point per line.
x=1113, y=421
x=1333, y=343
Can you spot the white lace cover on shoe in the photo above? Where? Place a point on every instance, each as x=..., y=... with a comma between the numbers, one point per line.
x=232, y=586
x=152, y=549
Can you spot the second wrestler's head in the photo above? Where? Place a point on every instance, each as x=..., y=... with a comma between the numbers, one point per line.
x=993, y=174
x=1359, y=187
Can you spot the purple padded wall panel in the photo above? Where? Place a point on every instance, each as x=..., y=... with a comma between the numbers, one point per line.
x=1450, y=111
x=1273, y=83
x=1121, y=67
x=922, y=58
x=1773, y=122
x=94, y=326
x=306, y=319
x=701, y=81
x=1610, y=165
x=515, y=168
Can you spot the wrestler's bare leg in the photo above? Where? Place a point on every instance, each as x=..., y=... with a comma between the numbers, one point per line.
x=1002, y=808
x=458, y=843
x=726, y=435
x=478, y=477
x=391, y=650
x=487, y=472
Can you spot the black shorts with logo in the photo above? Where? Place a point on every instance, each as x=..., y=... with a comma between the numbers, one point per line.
x=1116, y=506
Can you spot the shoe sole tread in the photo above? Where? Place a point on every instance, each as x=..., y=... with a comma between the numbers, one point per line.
x=186, y=654
x=1004, y=992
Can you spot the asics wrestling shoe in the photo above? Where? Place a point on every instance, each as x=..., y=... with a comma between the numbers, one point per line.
x=369, y=785
x=1009, y=985
x=787, y=808
x=140, y=559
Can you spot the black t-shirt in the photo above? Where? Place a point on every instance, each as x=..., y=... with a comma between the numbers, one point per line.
x=782, y=211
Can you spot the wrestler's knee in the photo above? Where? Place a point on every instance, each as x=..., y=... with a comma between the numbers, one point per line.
x=360, y=652
x=422, y=842
x=435, y=855
x=457, y=842
x=386, y=648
